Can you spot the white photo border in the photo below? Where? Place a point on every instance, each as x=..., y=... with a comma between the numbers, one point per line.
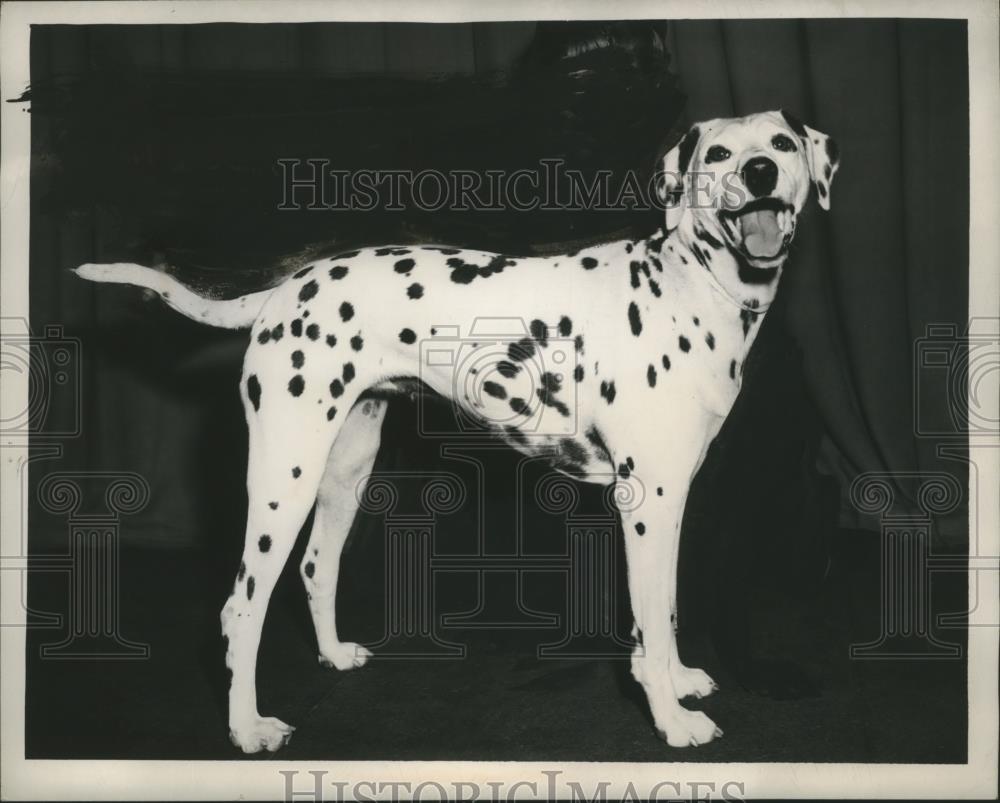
x=254, y=780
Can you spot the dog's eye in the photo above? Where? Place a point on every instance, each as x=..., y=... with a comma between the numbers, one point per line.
x=717, y=154
x=783, y=143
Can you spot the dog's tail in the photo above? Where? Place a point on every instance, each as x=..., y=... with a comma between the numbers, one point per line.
x=234, y=313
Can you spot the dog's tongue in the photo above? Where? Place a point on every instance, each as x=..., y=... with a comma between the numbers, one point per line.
x=762, y=236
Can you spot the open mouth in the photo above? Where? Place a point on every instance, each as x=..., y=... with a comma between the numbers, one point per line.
x=762, y=229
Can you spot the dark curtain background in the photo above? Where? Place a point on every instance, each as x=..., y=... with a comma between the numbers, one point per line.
x=158, y=144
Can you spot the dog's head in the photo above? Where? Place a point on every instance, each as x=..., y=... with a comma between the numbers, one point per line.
x=744, y=181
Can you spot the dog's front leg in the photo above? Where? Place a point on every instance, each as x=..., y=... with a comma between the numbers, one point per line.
x=651, y=520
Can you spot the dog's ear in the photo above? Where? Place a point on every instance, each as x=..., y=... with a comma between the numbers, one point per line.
x=670, y=179
x=822, y=155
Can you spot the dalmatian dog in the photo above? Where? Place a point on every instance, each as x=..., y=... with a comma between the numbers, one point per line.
x=659, y=331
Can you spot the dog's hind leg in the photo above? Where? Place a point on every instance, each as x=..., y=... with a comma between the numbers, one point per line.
x=287, y=456
x=343, y=483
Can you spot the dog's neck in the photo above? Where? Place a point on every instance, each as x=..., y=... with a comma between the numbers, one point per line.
x=716, y=273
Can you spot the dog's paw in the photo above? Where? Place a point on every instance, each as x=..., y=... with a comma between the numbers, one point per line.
x=345, y=655
x=686, y=728
x=691, y=682
x=261, y=733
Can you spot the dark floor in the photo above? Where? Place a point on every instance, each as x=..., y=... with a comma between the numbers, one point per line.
x=498, y=703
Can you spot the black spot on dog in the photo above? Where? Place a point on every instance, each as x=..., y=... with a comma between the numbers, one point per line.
x=415, y=290
x=651, y=376
x=296, y=472
x=701, y=234
x=391, y=252
x=348, y=372
x=732, y=369
x=795, y=124
x=338, y=272
x=697, y=321
x=684, y=343
x=578, y=344
x=551, y=385
x=633, y=269
x=331, y=413
x=495, y=390
x=250, y=587
x=253, y=391
x=241, y=572
x=832, y=150
x=515, y=435
x=357, y=342
x=686, y=148
x=346, y=311
x=634, y=321
x=408, y=336
x=656, y=243
x=507, y=369
x=331, y=340
x=272, y=505
x=519, y=406
x=608, y=391
x=701, y=255
x=296, y=385
x=666, y=363
x=264, y=336
x=522, y=350
x=628, y=248
x=710, y=340
x=464, y=272
x=630, y=462
x=298, y=359
x=336, y=389
x=309, y=569
x=822, y=189
x=624, y=471
x=573, y=452
x=654, y=286
x=296, y=327
x=404, y=266
x=565, y=327
x=303, y=272
x=640, y=528
x=312, y=331
x=597, y=441
x=264, y=543
x=578, y=373
x=589, y=263
x=748, y=317
x=277, y=332
x=659, y=490
x=309, y=290
x=539, y=331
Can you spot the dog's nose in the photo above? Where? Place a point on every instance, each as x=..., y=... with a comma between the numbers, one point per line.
x=760, y=175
